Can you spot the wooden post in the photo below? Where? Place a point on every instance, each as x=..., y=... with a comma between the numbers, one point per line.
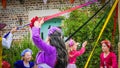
x=119, y=34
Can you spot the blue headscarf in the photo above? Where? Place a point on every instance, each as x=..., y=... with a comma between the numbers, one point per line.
x=26, y=50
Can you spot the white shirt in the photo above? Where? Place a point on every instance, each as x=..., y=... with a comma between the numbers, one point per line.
x=6, y=42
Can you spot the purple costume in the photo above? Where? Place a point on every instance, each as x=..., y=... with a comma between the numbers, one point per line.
x=48, y=53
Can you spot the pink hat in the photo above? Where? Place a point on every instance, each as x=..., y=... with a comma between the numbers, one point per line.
x=71, y=42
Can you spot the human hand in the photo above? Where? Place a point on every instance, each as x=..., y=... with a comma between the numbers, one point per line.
x=14, y=29
x=84, y=44
x=39, y=22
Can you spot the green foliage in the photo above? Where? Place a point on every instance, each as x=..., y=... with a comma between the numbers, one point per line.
x=76, y=19
x=13, y=54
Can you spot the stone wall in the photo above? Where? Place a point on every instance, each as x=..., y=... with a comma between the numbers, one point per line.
x=16, y=11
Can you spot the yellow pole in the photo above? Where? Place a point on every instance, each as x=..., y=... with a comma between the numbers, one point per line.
x=108, y=18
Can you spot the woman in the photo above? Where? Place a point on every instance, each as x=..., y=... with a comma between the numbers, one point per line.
x=73, y=53
x=108, y=58
x=25, y=62
x=53, y=53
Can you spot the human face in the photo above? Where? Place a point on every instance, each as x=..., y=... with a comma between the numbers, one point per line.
x=74, y=47
x=27, y=57
x=105, y=48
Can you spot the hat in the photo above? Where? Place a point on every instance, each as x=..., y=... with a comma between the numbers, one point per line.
x=26, y=50
x=53, y=29
x=2, y=25
x=71, y=42
x=107, y=42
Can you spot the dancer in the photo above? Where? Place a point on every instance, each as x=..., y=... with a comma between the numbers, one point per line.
x=7, y=38
x=73, y=53
x=26, y=60
x=108, y=58
x=53, y=53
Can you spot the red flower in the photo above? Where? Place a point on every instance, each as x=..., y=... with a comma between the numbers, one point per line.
x=5, y=64
x=33, y=20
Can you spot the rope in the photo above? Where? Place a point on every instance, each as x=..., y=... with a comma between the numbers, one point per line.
x=108, y=18
x=86, y=21
x=115, y=23
x=104, y=16
x=63, y=12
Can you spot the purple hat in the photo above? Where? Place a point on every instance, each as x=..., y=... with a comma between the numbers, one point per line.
x=26, y=50
x=2, y=25
x=71, y=42
x=53, y=29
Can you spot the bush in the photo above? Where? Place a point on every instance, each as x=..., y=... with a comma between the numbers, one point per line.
x=76, y=19
x=13, y=54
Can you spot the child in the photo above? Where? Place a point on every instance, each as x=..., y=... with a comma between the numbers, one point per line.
x=108, y=58
x=25, y=62
x=53, y=52
x=73, y=53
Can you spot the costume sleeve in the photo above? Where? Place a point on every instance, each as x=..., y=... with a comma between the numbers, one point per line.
x=6, y=41
x=6, y=35
x=31, y=64
x=101, y=61
x=39, y=42
x=80, y=52
x=17, y=64
x=114, y=61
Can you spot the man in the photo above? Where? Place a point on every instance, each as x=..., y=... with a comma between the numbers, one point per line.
x=6, y=41
x=7, y=38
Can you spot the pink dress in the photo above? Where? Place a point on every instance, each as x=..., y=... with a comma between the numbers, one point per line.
x=109, y=61
x=73, y=56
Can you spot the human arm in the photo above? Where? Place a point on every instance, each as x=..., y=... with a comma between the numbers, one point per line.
x=7, y=39
x=37, y=40
x=101, y=61
x=81, y=51
x=114, y=61
x=18, y=64
x=7, y=42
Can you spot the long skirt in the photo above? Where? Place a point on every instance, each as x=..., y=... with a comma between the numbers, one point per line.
x=71, y=66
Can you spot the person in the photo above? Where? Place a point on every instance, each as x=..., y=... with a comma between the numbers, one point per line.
x=108, y=58
x=6, y=41
x=53, y=52
x=26, y=60
x=7, y=38
x=73, y=53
